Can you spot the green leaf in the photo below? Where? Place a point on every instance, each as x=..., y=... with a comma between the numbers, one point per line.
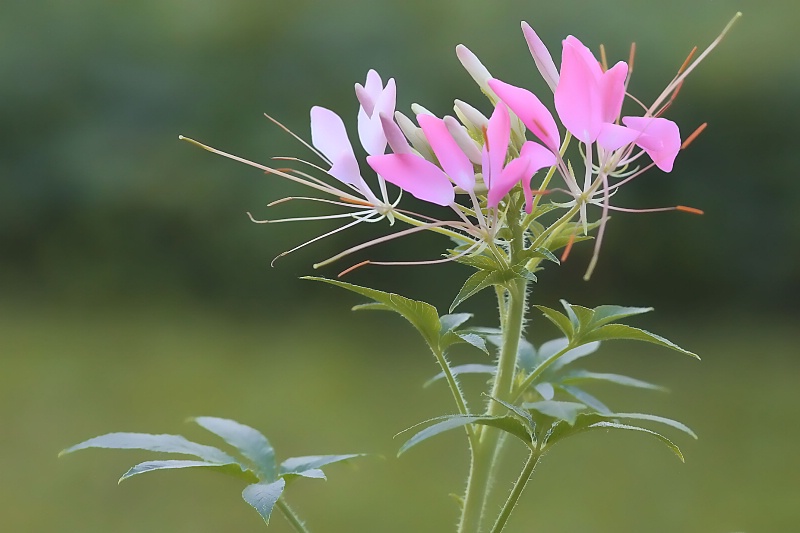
x=585, y=398
x=154, y=443
x=623, y=332
x=305, y=466
x=543, y=253
x=476, y=283
x=475, y=340
x=263, y=496
x=371, y=306
x=509, y=424
x=664, y=440
x=463, y=369
x=451, y=322
x=250, y=443
x=566, y=411
x=552, y=347
x=481, y=262
x=561, y=321
x=653, y=418
x=580, y=317
x=233, y=469
x=611, y=313
x=526, y=355
x=580, y=376
x=422, y=315
x=520, y=412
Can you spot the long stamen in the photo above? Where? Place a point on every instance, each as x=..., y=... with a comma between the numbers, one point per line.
x=348, y=270
x=568, y=248
x=315, y=239
x=694, y=135
x=304, y=143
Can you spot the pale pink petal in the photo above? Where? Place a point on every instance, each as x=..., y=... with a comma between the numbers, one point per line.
x=577, y=99
x=471, y=117
x=530, y=110
x=612, y=91
x=415, y=175
x=328, y=135
x=541, y=56
x=370, y=129
x=504, y=181
x=613, y=136
x=394, y=136
x=369, y=93
x=659, y=138
x=470, y=148
x=498, y=135
x=538, y=158
x=475, y=68
x=453, y=160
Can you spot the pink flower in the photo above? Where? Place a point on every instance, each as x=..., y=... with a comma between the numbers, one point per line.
x=375, y=100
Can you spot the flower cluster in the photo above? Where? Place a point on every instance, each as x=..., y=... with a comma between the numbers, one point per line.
x=490, y=162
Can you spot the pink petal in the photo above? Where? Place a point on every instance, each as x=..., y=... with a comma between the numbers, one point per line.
x=474, y=68
x=541, y=56
x=369, y=93
x=659, y=138
x=612, y=91
x=452, y=159
x=503, y=182
x=328, y=135
x=415, y=175
x=498, y=135
x=577, y=95
x=613, y=136
x=585, y=55
x=538, y=158
x=394, y=136
x=530, y=110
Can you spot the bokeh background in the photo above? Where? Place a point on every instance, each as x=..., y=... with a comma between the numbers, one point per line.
x=135, y=291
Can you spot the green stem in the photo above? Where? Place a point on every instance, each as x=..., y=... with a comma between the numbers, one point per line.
x=292, y=517
x=516, y=492
x=458, y=396
x=484, y=451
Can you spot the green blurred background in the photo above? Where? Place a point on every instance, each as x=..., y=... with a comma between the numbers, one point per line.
x=137, y=293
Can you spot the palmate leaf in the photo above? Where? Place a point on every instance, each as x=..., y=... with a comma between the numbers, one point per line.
x=561, y=321
x=605, y=314
x=581, y=376
x=479, y=281
x=560, y=410
x=508, y=423
x=623, y=332
x=233, y=469
x=589, y=421
x=263, y=496
x=250, y=443
x=154, y=443
x=309, y=466
x=421, y=315
x=664, y=440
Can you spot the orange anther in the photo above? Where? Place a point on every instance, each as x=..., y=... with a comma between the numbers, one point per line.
x=568, y=248
x=691, y=210
x=688, y=60
x=355, y=201
x=694, y=135
x=348, y=270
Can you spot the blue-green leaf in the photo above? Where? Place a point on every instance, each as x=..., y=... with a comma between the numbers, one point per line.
x=623, y=332
x=474, y=340
x=422, y=315
x=580, y=376
x=306, y=465
x=654, y=418
x=509, y=424
x=579, y=316
x=664, y=440
x=451, y=322
x=585, y=398
x=604, y=314
x=251, y=443
x=154, y=443
x=586, y=348
x=566, y=411
x=561, y=321
x=463, y=369
x=233, y=469
x=263, y=496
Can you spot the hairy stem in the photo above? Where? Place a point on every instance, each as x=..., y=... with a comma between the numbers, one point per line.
x=516, y=492
x=292, y=517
